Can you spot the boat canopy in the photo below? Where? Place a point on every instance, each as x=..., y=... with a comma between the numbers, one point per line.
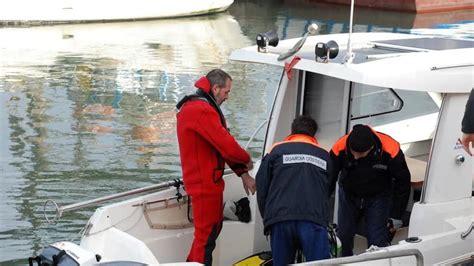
x=392, y=60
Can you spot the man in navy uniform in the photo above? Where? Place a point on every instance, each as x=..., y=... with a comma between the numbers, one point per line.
x=292, y=185
x=374, y=182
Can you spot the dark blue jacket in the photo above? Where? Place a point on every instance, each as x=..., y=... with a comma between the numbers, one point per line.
x=468, y=119
x=383, y=172
x=292, y=182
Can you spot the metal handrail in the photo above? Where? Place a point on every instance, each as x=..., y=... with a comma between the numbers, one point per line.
x=468, y=231
x=255, y=133
x=373, y=256
x=87, y=203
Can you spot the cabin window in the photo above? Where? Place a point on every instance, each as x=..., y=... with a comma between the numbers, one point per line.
x=378, y=106
x=370, y=101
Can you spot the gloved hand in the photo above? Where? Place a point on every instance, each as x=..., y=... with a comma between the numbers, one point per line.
x=397, y=224
x=393, y=225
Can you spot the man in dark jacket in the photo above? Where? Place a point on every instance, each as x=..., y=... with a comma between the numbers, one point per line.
x=374, y=181
x=468, y=124
x=292, y=184
x=205, y=145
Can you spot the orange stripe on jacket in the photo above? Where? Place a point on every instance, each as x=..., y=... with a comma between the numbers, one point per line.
x=389, y=145
x=340, y=145
x=297, y=138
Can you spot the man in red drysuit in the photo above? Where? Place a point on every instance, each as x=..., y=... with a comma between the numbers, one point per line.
x=205, y=146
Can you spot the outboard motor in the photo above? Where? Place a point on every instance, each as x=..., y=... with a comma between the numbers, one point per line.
x=64, y=253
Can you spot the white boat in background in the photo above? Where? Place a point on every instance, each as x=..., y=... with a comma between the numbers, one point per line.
x=411, y=87
x=21, y=12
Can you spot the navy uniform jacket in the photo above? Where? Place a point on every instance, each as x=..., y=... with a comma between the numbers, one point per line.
x=383, y=171
x=292, y=182
x=468, y=119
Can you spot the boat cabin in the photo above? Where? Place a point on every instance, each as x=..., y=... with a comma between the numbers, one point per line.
x=413, y=88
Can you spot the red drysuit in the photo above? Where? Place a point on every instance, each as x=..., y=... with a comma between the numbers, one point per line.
x=205, y=146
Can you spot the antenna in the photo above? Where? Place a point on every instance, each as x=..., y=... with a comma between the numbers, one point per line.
x=349, y=54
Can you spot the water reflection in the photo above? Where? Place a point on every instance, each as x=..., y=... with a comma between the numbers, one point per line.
x=461, y=30
x=88, y=110
x=291, y=17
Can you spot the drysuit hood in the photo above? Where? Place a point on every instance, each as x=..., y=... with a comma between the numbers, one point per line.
x=203, y=84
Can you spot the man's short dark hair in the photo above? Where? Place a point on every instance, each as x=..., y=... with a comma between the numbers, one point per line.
x=304, y=124
x=361, y=138
x=218, y=76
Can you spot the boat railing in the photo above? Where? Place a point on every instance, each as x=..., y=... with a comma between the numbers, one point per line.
x=255, y=133
x=468, y=231
x=371, y=256
x=79, y=205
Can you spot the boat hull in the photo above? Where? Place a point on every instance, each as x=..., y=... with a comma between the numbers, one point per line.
x=156, y=229
x=76, y=11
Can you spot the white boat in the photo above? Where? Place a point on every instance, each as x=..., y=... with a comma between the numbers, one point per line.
x=75, y=11
x=411, y=87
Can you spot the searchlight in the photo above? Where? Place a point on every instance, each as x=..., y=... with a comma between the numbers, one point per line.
x=326, y=51
x=266, y=39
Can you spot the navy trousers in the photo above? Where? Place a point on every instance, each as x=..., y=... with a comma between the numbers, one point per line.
x=376, y=211
x=289, y=236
